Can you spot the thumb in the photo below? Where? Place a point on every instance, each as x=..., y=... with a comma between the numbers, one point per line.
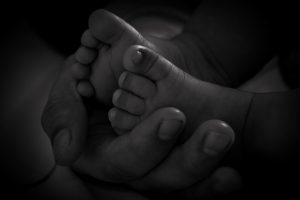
x=65, y=118
x=130, y=156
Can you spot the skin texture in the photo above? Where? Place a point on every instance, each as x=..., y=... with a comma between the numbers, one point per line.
x=25, y=139
x=94, y=156
x=85, y=87
x=165, y=84
x=259, y=108
x=232, y=73
x=111, y=43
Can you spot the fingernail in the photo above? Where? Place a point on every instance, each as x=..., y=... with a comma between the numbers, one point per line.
x=62, y=140
x=137, y=57
x=169, y=129
x=216, y=143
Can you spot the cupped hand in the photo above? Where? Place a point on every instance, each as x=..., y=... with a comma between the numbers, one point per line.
x=146, y=158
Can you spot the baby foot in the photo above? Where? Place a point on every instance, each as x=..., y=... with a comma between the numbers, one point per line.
x=103, y=46
x=152, y=82
x=81, y=73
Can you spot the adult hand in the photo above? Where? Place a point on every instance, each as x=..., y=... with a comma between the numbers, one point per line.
x=192, y=165
x=104, y=155
x=88, y=138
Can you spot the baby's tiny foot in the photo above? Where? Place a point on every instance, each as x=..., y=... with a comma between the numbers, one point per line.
x=152, y=82
x=103, y=46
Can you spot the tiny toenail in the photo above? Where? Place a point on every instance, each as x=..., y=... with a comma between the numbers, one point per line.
x=122, y=78
x=111, y=114
x=137, y=57
x=116, y=96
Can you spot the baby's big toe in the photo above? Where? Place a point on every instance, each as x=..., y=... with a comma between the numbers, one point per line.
x=144, y=61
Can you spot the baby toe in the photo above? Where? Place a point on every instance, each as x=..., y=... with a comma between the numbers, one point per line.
x=128, y=102
x=85, y=88
x=80, y=71
x=85, y=55
x=88, y=40
x=122, y=120
x=138, y=85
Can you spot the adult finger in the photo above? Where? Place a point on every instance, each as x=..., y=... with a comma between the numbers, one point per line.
x=132, y=155
x=193, y=161
x=223, y=182
x=64, y=118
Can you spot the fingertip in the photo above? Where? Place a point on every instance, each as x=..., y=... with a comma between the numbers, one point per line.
x=142, y=148
x=220, y=127
x=173, y=113
x=172, y=123
x=227, y=180
x=227, y=129
x=218, y=137
x=216, y=143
